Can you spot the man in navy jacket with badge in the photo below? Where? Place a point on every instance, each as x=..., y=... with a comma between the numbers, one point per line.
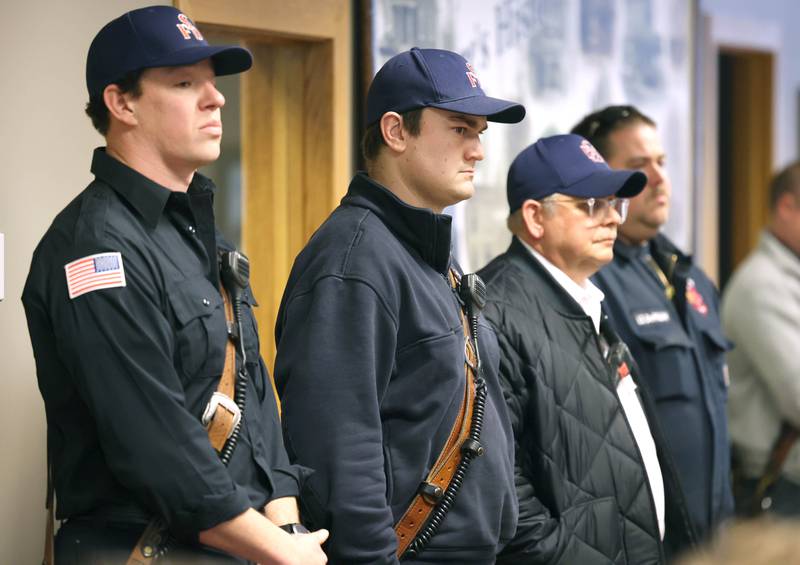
x=666, y=309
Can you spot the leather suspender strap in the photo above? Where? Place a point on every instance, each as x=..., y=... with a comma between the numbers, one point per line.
x=441, y=474
x=221, y=417
x=226, y=414
x=777, y=457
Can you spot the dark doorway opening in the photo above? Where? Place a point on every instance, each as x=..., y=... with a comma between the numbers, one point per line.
x=746, y=79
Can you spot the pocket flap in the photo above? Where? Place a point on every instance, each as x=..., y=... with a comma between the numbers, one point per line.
x=194, y=298
x=717, y=338
x=659, y=327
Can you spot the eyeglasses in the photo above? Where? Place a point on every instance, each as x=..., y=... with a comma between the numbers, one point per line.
x=597, y=208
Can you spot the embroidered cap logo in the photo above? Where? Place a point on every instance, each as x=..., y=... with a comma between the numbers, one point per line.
x=473, y=78
x=187, y=28
x=592, y=153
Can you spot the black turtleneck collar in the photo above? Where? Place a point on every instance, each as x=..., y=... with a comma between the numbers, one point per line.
x=146, y=196
x=425, y=231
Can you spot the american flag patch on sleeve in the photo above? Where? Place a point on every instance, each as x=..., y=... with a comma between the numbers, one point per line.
x=95, y=272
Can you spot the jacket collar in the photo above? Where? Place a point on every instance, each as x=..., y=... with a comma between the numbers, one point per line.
x=426, y=232
x=147, y=197
x=782, y=255
x=659, y=245
x=627, y=252
x=543, y=282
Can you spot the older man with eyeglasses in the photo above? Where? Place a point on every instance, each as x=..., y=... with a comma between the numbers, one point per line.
x=592, y=483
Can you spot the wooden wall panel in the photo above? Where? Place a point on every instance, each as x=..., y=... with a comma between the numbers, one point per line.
x=296, y=129
x=319, y=123
x=329, y=22
x=751, y=97
x=272, y=122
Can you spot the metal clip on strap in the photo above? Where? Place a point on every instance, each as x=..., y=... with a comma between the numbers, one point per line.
x=221, y=417
x=150, y=543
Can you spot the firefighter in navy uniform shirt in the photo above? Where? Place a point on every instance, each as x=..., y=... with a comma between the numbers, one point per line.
x=129, y=330
x=666, y=310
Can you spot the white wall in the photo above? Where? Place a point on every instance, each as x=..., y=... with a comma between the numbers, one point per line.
x=45, y=152
x=770, y=25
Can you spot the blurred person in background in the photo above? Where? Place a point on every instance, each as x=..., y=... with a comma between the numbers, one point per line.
x=761, y=314
x=754, y=542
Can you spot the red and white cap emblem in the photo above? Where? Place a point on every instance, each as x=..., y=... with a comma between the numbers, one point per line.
x=592, y=153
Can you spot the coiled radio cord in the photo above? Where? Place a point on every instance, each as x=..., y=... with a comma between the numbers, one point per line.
x=473, y=293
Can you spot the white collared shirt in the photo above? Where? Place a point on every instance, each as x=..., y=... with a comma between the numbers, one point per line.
x=589, y=297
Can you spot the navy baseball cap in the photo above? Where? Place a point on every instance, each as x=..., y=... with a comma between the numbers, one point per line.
x=434, y=78
x=158, y=36
x=567, y=164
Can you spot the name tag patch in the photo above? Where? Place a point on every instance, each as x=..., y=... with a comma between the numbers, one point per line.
x=651, y=317
x=94, y=272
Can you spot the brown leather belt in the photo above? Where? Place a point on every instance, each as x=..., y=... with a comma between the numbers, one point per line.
x=222, y=416
x=441, y=474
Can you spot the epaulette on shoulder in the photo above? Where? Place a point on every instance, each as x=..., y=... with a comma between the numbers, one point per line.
x=93, y=215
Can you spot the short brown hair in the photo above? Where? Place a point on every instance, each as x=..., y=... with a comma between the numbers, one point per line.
x=96, y=108
x=598, y=126
x=372, y=141
x=786, y=181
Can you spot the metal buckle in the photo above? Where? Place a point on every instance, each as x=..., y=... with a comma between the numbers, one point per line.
x=470, y=364
x=430, y=492
x=218, y=399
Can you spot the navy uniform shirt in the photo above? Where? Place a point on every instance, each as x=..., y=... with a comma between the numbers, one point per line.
x=680, y=348
x=126, y=371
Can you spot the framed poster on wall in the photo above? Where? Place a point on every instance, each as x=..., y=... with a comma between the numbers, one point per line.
x=561, y=59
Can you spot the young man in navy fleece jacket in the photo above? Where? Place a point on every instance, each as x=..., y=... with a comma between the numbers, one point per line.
x=371, y=352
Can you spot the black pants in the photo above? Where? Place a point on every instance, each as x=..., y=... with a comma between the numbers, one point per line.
x=91, y=542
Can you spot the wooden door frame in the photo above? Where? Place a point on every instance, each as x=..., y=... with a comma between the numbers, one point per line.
x=297, y=129
x=746, y=156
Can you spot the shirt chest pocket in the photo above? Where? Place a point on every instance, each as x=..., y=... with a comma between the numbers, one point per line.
x=716, y=346
x=710, y=328
x=200, y=328
x=667, y=363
